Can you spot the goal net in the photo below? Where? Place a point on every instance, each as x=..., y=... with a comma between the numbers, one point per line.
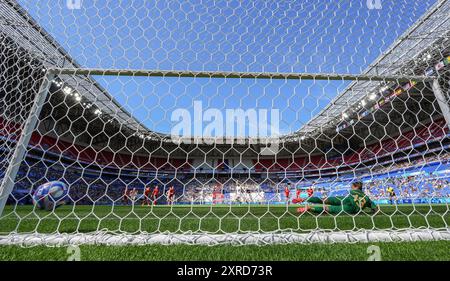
x=218, y=122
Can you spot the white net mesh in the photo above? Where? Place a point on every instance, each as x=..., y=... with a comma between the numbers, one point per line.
x=224, y=121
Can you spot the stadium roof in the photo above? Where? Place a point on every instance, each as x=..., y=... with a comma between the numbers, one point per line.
x=20, y=27
x=429, y=29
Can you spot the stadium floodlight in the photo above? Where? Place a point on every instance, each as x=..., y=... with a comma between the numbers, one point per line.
x=58, y=83
x=67, y=90
x=198, y=120
x=373, y=96
x=383, y=89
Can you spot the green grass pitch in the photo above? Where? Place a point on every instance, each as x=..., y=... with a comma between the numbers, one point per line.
x=222, y=219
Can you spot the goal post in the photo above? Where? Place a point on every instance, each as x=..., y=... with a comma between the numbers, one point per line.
x=20, y=149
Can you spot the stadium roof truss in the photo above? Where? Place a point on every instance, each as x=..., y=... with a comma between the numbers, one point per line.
x=429, y=29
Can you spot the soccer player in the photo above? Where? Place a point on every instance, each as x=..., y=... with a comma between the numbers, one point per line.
x=298, y=192
x=287, y=193
x=170, y=195
x=351, y=204
x=133, y=195
x=155, y=194
x=146, y=200
x=126, y=196
x=298, y=199
x=392, y=195
x=310, y=191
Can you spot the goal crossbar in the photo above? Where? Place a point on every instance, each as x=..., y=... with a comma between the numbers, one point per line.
x=239, y=75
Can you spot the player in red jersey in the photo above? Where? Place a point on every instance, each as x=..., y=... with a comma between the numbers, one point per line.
x=310, y=191
x=298, y=192
x=155, y=194
x=146, y=200
x=298, y=200
x=170, y=195
x=287, y=193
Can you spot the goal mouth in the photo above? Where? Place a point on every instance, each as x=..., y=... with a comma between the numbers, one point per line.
x=253, y=238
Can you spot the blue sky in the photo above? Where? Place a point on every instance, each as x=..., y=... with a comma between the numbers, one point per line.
x=315, y=36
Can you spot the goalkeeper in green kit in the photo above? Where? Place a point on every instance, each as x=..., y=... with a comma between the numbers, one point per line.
x=351, y=204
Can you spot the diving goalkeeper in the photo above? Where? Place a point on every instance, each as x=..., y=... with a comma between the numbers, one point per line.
x=351, y=204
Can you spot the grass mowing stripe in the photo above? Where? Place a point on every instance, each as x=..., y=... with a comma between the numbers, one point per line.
x=426, y=250
x=207, y=219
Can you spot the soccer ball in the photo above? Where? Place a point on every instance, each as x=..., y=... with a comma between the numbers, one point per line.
x=50, y=195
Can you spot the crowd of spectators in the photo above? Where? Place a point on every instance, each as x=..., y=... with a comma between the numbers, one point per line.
x=87, y=188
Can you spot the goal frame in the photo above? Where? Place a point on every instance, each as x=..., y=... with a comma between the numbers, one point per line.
x=278, y=237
